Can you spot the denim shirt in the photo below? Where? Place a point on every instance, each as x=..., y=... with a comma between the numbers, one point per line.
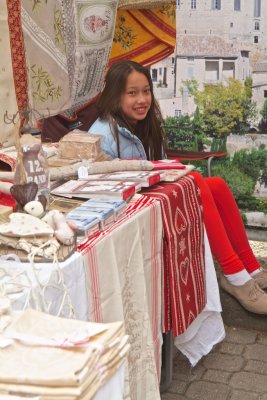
x=130, y=145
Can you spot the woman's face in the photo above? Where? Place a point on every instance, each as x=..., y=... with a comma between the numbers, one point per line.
x=136, y=98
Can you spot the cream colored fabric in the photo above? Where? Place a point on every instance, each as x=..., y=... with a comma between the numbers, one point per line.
x=129, y=263
x=60, y=358
x=127, y=286
x=124, y=283
x=24, y=225
x=10, y=397
x=45, y=56
x=67, y=50
x=172, y=175
x=8, y=100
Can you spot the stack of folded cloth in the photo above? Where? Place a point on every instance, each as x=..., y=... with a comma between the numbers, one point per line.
x=10, y=397
x=57, y=358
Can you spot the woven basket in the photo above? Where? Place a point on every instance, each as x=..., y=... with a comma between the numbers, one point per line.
x=127, y=4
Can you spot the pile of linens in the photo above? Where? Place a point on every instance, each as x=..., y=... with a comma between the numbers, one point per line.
x=50, y=358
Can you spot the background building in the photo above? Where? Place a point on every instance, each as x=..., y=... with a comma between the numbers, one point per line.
x=215, y=40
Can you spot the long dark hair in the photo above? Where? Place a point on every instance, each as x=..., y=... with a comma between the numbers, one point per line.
x=150, y=129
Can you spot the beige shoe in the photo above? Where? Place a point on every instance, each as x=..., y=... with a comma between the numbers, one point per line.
x=261, y=279
x=249, y=295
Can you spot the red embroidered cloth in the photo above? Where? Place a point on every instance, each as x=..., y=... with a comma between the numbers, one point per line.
x=17, y=53
x=183, y=286
x=184, y=290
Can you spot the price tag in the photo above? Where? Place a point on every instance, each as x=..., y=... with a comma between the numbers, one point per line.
x=83, y=172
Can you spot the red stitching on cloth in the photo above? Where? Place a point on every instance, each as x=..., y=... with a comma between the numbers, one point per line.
x=17, y=53
x=184, y=294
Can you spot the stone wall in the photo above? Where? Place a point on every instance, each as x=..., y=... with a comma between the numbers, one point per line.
x=248, y=141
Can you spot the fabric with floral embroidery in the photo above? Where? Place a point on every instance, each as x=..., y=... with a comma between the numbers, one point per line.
x=67, y=49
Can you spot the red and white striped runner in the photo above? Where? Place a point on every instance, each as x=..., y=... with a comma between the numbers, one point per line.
x=184, y=290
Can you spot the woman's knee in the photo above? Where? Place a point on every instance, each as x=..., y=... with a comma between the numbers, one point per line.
x=197, y=176
x=217, y=184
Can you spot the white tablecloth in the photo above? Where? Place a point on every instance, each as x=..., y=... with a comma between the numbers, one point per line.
x=207, y=329
x=75, y=280
x=119, y=278
x=46, y=275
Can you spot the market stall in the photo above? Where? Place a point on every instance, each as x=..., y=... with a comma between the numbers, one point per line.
x=146, y=268
x=116, y=275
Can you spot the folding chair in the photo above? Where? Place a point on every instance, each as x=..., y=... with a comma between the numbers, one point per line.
x=188, y=155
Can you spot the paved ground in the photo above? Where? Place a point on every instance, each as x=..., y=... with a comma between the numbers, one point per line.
x=236, y=369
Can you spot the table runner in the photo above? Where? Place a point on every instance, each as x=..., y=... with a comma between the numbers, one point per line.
x=123, y=267
x=184, y=287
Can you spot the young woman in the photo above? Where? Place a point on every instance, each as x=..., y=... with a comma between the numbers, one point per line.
x=131, y=124
x=129, y=117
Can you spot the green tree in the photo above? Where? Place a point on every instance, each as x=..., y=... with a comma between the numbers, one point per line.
x=250, y=108
x=184, y=132
x=179, y=132
x=241, y=173
x=224, y=107
x=263, y=112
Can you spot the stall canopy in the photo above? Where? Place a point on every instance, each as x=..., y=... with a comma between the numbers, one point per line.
x=55, y=53
x=145, y=31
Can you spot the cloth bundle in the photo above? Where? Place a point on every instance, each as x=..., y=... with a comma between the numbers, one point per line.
x=30, y=234
x=60, y=358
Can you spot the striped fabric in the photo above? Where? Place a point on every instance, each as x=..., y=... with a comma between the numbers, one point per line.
x=144, y=35
x=123, y=267
x=184, y=289
x=141, y=3
x=126, y=279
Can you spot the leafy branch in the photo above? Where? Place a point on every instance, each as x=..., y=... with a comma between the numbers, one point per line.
x=59, y=28
x=124, y=34
x=37, y=3
x=168, y=10
x=44, y=88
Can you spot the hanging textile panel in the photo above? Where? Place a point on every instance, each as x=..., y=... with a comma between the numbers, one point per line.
x=142, y=3
x=13, y=82
x=144, y=35
x=67, y=47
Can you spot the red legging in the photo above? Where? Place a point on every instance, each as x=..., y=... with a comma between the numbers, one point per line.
x=224, y=226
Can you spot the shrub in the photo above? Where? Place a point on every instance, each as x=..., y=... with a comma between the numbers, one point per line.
x=241, y=174
x=253, y=163
x=184, y=132
x=241, y=184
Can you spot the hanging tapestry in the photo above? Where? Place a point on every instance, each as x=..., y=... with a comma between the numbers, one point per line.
x=141, y=3
x=67, y=47
x=144, y=35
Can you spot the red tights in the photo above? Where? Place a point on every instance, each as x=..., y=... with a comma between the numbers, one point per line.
x=224, y=226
